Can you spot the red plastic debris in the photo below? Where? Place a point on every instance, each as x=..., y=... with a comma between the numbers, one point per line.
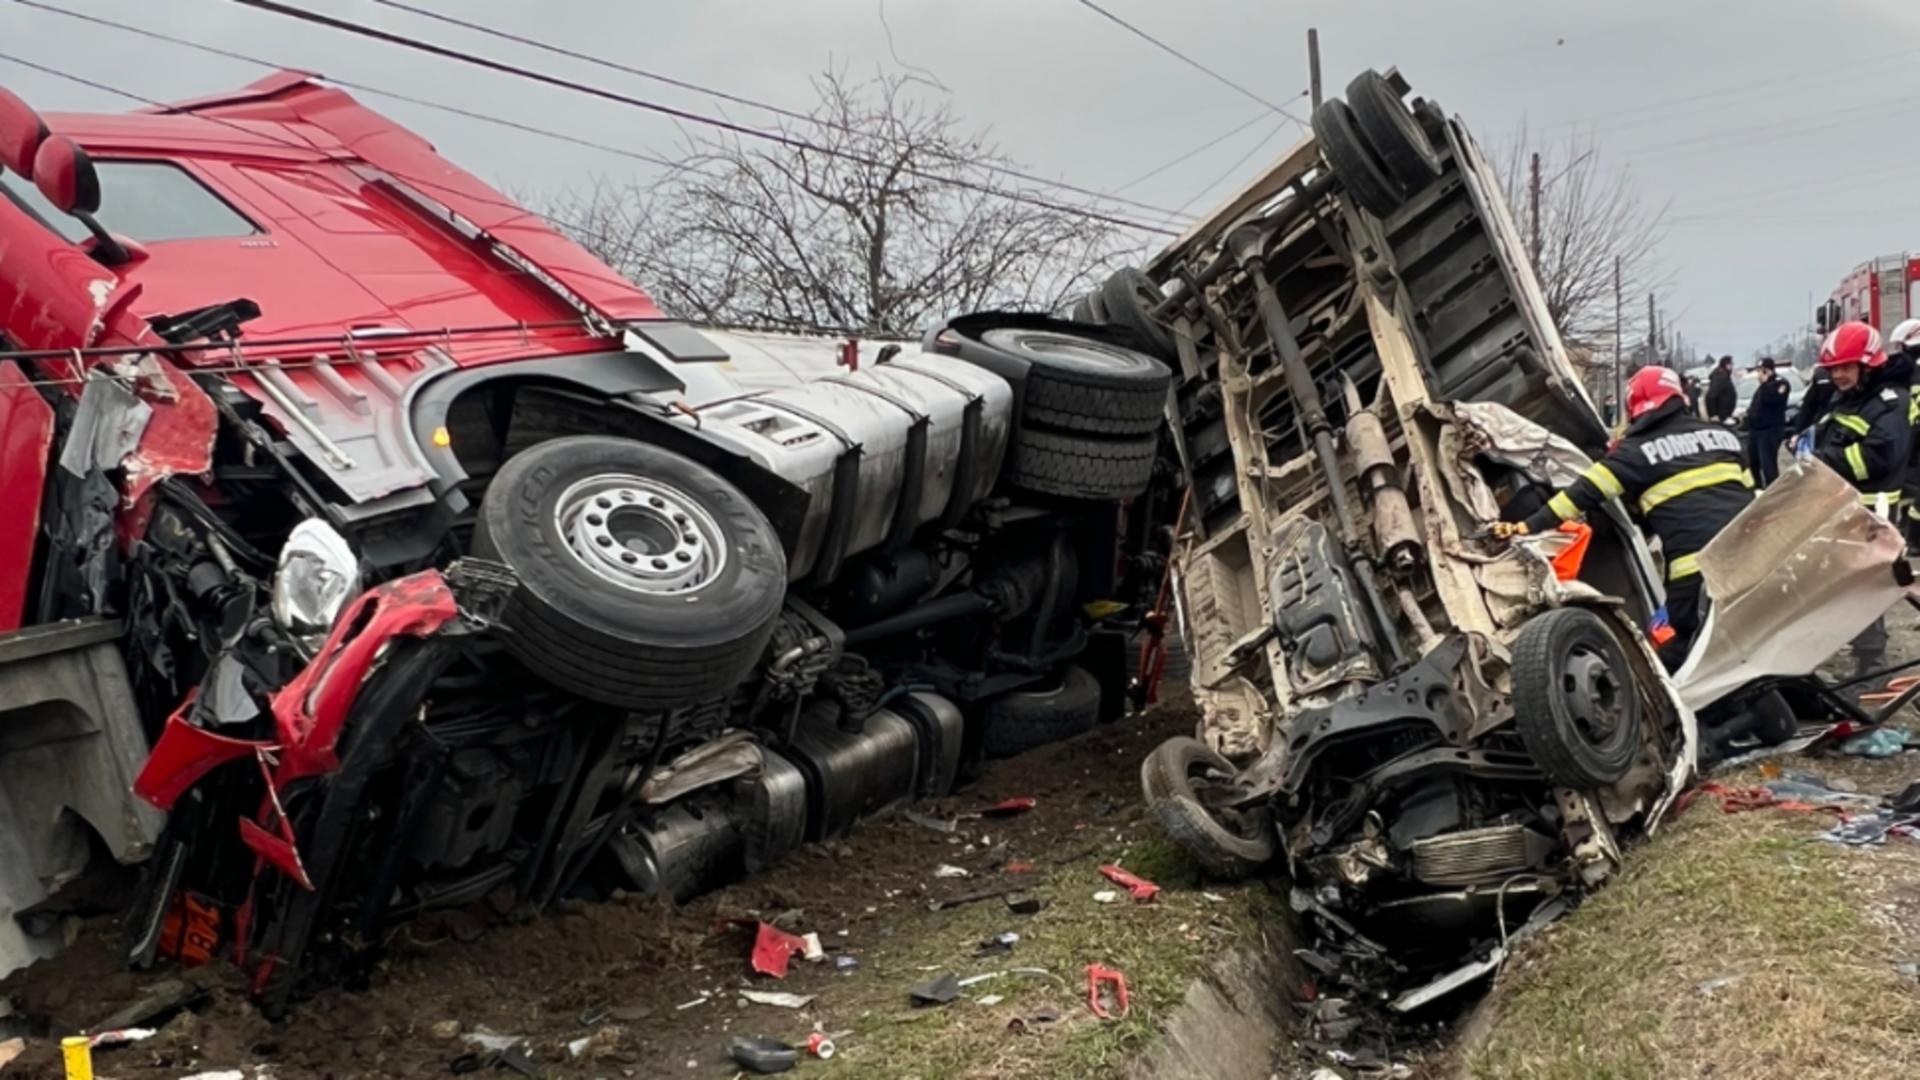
x=1141, y=889
x=1010, y=807
x=773, y=949
x=1019, y=868
x=1734, y=800
x=1115, y=982
x=1566, y=565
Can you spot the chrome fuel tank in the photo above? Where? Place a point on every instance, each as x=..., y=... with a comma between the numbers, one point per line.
x=880, y=450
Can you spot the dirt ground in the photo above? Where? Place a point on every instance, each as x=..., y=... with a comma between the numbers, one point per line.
x=655, y=991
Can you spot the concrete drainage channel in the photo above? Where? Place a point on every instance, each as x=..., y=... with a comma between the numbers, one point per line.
x=1237, y=1018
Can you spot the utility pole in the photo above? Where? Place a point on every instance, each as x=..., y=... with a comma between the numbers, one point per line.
x=1653, y=332
x=1313, y=63
x=1619, y=385
x=1533, y=212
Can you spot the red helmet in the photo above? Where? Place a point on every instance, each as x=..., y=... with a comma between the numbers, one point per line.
x=1650, y=388
x=1852, y=343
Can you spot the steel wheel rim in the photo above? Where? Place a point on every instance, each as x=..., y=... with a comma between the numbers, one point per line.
x=640, y=534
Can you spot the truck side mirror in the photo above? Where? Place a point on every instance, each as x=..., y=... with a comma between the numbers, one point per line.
x=1820, y=318
x=21, y=133
x=67, y=179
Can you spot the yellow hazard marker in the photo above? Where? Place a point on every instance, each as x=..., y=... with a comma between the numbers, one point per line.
x=77, y=1050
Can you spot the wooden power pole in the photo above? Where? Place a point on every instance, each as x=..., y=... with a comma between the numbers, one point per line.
x=1313, y=64
x=1533, y=212
x=1653, y=332
x=1619, y=384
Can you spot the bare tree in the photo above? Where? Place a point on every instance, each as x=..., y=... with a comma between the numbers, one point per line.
x=855, y=234
x=1588, y=216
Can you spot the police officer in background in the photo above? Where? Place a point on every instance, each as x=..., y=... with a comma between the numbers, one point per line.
x=1864, y=438
x=1682, y=477
x=1767, y=423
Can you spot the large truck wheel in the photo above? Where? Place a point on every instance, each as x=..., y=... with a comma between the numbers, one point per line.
x=1393, y=133
x=1065, y=706
x=1080, y=466
x=1353, y=161
x=645, y=579
x=1081, y=385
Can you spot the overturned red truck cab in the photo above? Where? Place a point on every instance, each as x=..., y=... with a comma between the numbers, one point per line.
x=372, y=549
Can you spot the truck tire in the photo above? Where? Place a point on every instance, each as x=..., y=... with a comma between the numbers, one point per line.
x=1574, y=698
x=1090, y=309
x=1224, y=848
x=1023, y=720
x=1352, y=160
x=1081, y=467
x=1391, y=130
x=645, y=579
x=1080, y=385
x=1129, y=297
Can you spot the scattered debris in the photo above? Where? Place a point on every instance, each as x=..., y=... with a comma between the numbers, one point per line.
x=778, y=999
x=935, y=991
x=845, y=964
x=121, y=1036
x=1721, y=983
x=979, y=894
x=1025, y=905
x=990, y=1000
x=1872, y=828
x=1104, y=986
x=774, y=949
x=1019, y=868
x=596, y=1015
x=1140, y=888
x=1882, y=742
x=813, y=951
x=1908, y=968
x=999, y=943
x=10, y=1049
x=487, y=1039
x=157, y=1002
x=515, y=1059
x=1106, y=896
x=1213, y=898
x=761, y=1054
x=820, y=1045
x=218, y=1074
x=685, y=1005
x=928, y=821
x=1008, y=807
x=1037, y=1019
x=947, y=870
x=579, y=1046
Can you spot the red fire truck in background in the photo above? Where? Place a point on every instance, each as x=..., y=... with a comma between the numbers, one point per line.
x=1880, y=293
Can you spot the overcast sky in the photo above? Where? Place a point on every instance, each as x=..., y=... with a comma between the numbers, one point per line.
x=1784, y=134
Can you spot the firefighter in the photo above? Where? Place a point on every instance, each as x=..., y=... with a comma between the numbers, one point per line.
x=1682, y=477
x=1903, y=353
x=1864, y=438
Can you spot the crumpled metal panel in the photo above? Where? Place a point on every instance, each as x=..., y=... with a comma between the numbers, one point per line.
x=1793, y=578
x=349, y=417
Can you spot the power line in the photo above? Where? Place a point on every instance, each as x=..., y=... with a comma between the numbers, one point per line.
x=1235, y=167
x=1182, y=57
x=780, y=138
x=1201, y=149
x=737, y=99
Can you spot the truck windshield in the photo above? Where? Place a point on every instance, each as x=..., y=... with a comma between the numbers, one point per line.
x=145, y=201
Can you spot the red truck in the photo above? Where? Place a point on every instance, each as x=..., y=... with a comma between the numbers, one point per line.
x=408, y=557
x=1882, y=293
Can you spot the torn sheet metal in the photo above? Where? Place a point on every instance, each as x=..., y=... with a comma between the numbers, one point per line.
x=710, y=763
x=1505, y=436
x=106, y=427
x=1793, y=579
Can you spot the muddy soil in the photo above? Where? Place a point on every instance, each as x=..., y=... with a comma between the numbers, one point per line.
x=653, y=988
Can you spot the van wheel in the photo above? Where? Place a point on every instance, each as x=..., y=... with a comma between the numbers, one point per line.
x=1574, y=698
x=645, y=579
x=1352, y=159
x=1179, y=778
x=1129, y=298
x=1391, y=130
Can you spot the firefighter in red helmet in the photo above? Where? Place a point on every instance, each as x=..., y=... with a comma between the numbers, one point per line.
x=1683, y=479
x=1863, y=436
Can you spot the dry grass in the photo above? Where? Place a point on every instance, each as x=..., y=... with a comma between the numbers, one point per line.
x=1733, y=945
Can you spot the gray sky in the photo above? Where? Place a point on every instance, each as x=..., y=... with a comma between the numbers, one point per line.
x=1780, y=134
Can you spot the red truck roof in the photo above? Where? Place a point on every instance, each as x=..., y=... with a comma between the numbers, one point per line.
x=333, y=218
